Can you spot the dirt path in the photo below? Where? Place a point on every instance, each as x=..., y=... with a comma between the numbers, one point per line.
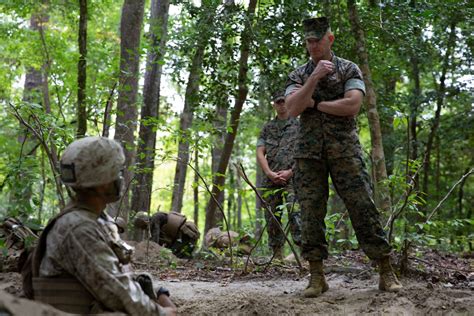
x=348, y=295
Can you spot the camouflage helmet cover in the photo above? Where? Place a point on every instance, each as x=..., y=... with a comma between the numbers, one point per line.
x=91, y=161
x=278, y=95
x=315, y=27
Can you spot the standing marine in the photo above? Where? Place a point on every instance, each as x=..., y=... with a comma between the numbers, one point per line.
x=327, y=93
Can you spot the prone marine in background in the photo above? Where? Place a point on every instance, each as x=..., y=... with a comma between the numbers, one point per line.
x=171, y=230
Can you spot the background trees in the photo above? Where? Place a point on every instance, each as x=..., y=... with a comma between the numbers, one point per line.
x=203, y=73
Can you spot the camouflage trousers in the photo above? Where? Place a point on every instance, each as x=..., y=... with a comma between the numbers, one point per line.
x=279, y=200
x=351, y=181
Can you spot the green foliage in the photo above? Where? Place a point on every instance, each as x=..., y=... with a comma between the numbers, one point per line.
x=395, y=33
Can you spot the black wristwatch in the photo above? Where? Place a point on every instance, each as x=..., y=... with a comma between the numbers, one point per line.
x=162, y=290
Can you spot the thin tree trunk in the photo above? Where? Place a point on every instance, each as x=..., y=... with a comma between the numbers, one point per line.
x=461, y=195
x=414, y=104
x=258, y=202
x=141, y=197
x=378, y=156
x=108, y=112
x=82, y=71
x=32, y=93
x=125, y=126
x=204, y=25
x=235, y=117
x=239, y=199
x=438, y=167
x=388, y=131
x=220, y=125
x=439, y=104
x=196, y=187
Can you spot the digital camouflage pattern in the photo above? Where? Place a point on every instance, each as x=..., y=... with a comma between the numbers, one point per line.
x=329, y=145
x=77, y=245
x=278, y=137
x=280, y=200
x=315, y=27
x=338, y=134
x=352, y=183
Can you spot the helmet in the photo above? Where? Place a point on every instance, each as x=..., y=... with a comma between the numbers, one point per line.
x=91, y=161
x=141, y=220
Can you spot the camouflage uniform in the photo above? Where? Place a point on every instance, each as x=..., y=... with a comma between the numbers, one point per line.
x=329, y=145
x=77, y=246
x=278, y=137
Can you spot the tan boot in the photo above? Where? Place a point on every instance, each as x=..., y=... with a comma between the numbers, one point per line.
x=278, y=253
x=388, y=280
x=317, y=282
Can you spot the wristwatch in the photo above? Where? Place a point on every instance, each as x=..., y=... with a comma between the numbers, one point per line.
x=162, y=290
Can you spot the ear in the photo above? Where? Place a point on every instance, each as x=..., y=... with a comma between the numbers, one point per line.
x=331, y=38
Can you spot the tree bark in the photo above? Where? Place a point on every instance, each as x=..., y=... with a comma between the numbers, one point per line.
x=141, y=197
x=125, y=126
x=21, y=190
x=388, y=131
x=191, y=101
x=440, y=95
x=82, y=71
x=196, y=187
x=378, y=157
x=235, y=116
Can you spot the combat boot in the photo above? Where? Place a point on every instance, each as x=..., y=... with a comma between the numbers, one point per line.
x=388, y=280
x=278, y=253
x=317, y=282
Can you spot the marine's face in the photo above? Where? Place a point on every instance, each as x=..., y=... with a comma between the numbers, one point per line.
x=280, y=106
x=320, y=48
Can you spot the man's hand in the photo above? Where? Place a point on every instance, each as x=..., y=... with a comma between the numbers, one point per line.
x=323, y=68
x=285, y=174
x=276, y=178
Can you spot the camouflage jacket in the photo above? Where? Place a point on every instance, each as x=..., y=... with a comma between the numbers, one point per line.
x=335, y=136
x=279, y=138
x=77, y=245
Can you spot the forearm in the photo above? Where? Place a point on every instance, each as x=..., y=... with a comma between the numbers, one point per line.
x=301, y=99
x=262, y=161
x=347, y=106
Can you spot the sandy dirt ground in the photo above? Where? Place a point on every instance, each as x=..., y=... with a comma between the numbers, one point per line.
x=348, y=295
x=210, y=287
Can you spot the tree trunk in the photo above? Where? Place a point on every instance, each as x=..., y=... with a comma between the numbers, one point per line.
x=21, y=191
x=191, y=101
x=220, y=125
x=141, y=197
x=196, y=187
x=378, y=157
x=238, y=182
x=438, y=167
x=439, y=104
x=388, y=131
x=235, y=117
x=258, y=202
x=125, y=126
x=82, y=71
x=461, y=196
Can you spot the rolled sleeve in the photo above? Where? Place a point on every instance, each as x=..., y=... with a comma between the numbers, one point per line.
x=354, y=84
x=291, y=89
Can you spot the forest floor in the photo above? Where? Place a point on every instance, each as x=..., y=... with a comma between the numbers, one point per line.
x=435, y=284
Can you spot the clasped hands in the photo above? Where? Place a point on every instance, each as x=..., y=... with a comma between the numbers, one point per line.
x=281, y=177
